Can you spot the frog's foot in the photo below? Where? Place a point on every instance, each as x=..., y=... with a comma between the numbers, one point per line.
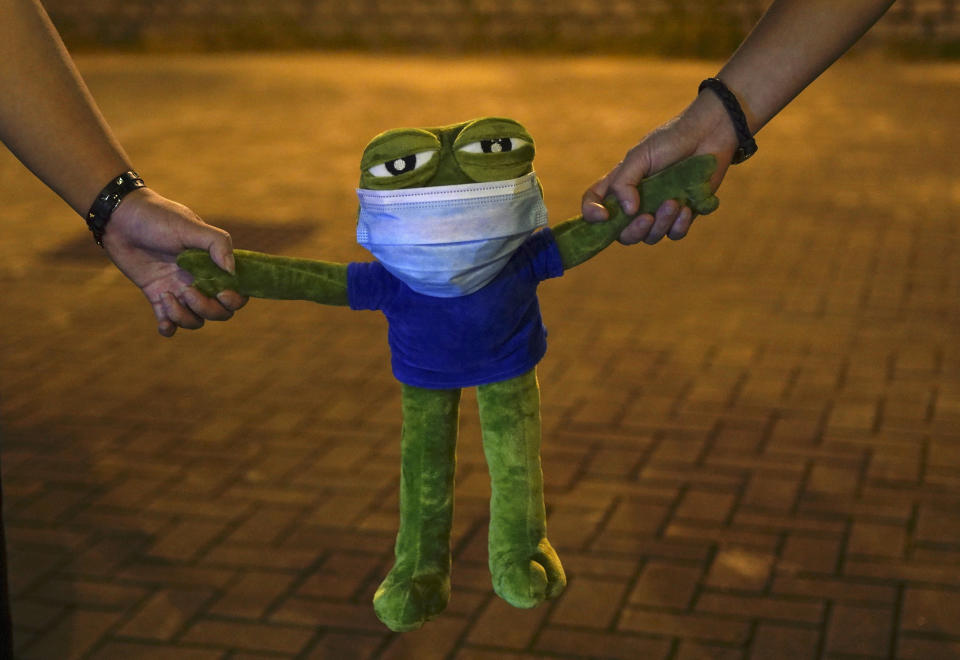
x=404, y=603
x=526, y=578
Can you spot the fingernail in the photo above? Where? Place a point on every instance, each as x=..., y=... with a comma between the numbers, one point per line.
x=231, y=265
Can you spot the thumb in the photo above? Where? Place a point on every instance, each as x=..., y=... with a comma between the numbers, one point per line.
x=629, y=175
x=215, y=241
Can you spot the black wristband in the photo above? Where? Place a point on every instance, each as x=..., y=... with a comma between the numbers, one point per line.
x=746, y=145
x=108, y=200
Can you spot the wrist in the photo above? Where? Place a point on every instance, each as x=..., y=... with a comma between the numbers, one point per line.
x=108, y=201
x=711, y=121
x=746, y=145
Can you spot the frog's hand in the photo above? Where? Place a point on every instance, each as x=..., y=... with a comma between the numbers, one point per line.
x=269, y=276
x=688, y=182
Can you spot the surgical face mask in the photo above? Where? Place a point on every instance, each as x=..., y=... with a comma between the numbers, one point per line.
x=449, y=241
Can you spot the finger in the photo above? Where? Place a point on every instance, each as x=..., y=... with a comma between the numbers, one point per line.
x=202, y=306
x=666, y=215
x=681, y=225
x=232, y=300
x=591, y=204
x=637, y=230
x=165, y=327
x=179, y=314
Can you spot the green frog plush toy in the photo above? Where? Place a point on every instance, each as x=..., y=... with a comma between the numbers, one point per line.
x=456, y=221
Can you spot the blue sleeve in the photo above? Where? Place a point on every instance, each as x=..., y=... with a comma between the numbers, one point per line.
x=545, y=255
x=369, y=285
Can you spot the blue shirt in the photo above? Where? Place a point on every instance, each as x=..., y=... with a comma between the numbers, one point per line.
x=493, y=334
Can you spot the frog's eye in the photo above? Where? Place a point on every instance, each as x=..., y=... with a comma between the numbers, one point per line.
x=402, y=165
x=493, y=146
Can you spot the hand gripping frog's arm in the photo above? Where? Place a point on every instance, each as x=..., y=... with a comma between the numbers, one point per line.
x=688, y=182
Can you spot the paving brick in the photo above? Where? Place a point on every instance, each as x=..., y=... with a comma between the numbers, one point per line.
x=794, y=523
x=570, y=527
x=880, y=510
x=228, y=554
x=833, y=480
x=834, y=589
x=938, y=525
x=251, y=595
x=636, y=516
x=327, y=614
x=590, y=564
x=186, y=539
x=784, y=642
x=614, y=462
x=771, y=492
x=588, y=603
x=875, y=539
x=693, y=626
x=173, y=575
x=165, y=613
x=753, y=607
x=860, y=630
x=705, y=505
x=72, y=637
x=944, y=574
x=726, y=537
x=928, y=610
x=348, y=647
x=340, y=577
x=603, y=645
x=502, y=626
x=666, y=584
x=437, y=640
x=918, y=648
x=700, y=651
x=34, y=615
x=638, y=547
x=128, y=650
x=248, y=635
x=895, y=464
x=264, y=526
x=810, y=553
x=96, y=593
x=741, y=570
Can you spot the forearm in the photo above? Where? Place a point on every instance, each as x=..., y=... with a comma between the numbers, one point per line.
x=792, y=44
x=47, y=117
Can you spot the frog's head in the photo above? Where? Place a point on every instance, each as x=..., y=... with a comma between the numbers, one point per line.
x=478, y=151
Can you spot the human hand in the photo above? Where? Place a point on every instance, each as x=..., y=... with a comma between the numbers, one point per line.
x=701, y=128
x=144, y=237
x=208, y=277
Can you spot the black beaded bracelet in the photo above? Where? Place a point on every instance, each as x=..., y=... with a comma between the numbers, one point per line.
x=108, y=200
x=746, y=146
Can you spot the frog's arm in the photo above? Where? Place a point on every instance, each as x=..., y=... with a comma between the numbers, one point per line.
x=269, y=276
x=687, y=182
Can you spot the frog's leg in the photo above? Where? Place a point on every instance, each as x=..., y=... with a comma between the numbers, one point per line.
x=524, y=566
x=418, y=586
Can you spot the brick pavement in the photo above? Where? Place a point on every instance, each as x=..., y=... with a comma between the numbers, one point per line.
x=752, y=437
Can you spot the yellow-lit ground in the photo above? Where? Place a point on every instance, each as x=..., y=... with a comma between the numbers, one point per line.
x=752, y=436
